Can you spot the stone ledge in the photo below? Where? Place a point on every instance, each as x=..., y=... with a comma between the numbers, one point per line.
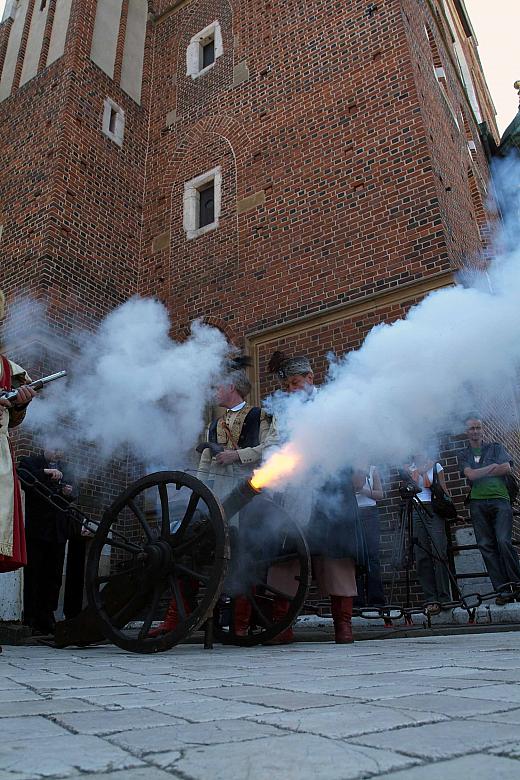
x=14, y=634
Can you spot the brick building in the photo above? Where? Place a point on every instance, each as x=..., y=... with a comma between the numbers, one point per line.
x=294, y=171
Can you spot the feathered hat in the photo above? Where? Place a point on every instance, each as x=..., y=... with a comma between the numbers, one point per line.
x=285, y=366
x=238, y=362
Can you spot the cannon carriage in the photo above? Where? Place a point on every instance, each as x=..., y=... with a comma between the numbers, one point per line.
x=167, y=541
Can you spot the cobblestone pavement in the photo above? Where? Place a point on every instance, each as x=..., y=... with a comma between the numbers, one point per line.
x=439, y=707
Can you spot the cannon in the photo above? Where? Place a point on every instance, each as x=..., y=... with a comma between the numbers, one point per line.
x=167, y=539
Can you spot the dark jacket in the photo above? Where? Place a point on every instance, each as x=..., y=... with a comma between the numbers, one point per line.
x=42, y=521
x=335, y=529
x=491, y=452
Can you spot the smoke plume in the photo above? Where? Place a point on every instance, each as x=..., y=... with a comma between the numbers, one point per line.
x=412, y=379
x=130, y=385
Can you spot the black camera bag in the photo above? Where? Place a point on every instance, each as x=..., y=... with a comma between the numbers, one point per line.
x=442, y=504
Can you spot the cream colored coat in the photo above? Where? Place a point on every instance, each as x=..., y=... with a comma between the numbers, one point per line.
x=221, y=479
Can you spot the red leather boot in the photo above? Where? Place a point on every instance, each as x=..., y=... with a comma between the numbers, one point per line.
x=241, y=615
x=171, y=618
x=280, y=610
x=341, y=608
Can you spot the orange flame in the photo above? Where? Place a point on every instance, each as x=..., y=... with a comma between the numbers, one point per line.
x=277, y=467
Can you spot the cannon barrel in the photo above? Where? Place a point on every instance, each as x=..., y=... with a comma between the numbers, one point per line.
x=239, y=497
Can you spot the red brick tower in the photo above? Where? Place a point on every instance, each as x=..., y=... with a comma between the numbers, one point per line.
x=73, y=134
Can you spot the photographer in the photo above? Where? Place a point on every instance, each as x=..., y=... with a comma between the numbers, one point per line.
x=369, y=490
x=430, y=535
x=46, y=531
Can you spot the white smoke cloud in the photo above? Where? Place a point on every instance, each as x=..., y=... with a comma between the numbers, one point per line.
x=130, y=385
x=419, y=376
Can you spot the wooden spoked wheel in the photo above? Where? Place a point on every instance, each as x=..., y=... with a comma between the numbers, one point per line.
x=270, y=568
x=159, y=556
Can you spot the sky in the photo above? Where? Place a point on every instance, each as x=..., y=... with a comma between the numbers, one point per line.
x=497, y=26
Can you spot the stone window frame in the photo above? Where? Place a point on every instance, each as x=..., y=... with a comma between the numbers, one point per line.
x=194, y=51
x=113, y=116
x=191, y=202
x=440, y=73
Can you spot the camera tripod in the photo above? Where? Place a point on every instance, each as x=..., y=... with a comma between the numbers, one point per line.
x=411, y=504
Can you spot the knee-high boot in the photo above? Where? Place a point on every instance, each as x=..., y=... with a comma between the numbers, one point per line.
x=172, y=616
x=241, y=615
x=341, y=608
x=280, y=609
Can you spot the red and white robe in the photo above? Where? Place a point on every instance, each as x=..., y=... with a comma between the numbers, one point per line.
x=13, y=553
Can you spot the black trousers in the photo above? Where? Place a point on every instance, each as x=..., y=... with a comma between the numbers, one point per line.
x=369, y=584
x=42, y=582
x=493, y=523
x=74, y=577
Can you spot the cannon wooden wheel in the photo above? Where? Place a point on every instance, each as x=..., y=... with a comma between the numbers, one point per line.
x=163, y=542
x=266, y=540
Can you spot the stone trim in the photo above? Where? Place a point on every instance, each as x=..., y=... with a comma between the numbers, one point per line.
x=404, y=292
x=251, y=202
x=117, y=135
x=191, y=203
x=193, y=52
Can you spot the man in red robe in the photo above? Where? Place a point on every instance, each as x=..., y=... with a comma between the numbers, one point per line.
x=12, y=536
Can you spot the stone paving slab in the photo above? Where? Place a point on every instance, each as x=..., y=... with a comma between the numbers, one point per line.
x=210, y=708
x=410, y=708
x=163, y=738
x=10, y=685
x=509, y=693
x=293, y=757
x=100, y=722
x=443, y=740
x=14, y=729
x=44, y=707
x=145, y=698
x=500, y=675
x=347, y=720
x=60, y=757
x=22, y=694
x=142, y=773
x=450, y=704
x=511, y=716
x=283, y=700
x=478, y=766
x=93, y=695
x=185, y=685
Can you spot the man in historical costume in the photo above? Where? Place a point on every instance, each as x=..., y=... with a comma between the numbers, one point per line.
x=12, y=537
x=236, y=441
x=46, y=530
x=332, y=524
